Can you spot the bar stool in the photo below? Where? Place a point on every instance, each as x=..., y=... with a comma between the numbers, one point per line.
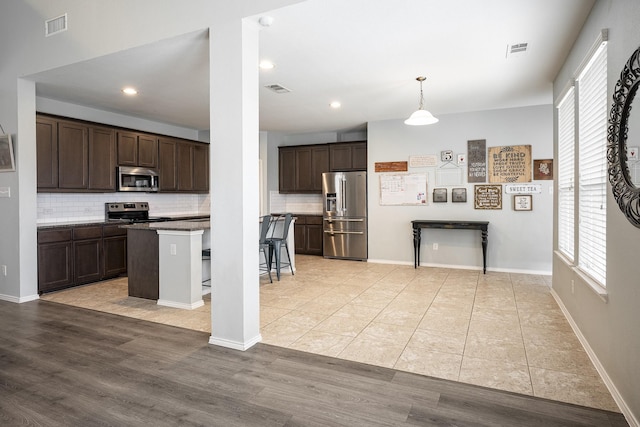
x=265, y=246
x=276, y=246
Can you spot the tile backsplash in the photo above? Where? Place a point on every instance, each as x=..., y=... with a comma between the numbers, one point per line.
x=295, y=203
x=66, y=207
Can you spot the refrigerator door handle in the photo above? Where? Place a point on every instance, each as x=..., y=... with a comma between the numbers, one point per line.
x=344, y=195
x=343, y=232
x=330, y=220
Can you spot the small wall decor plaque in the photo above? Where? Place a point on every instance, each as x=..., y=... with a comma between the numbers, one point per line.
x=391, y=166
x=488, y=197
x=459, y=195
x=429, y=160
x=439, y=195
x=446, y=155
x=522, y=202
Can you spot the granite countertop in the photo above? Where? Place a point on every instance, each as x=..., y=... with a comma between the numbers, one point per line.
x=104, y=222
x=190, y=225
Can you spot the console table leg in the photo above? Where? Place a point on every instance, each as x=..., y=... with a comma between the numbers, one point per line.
x=416, y=247
x=485, y=238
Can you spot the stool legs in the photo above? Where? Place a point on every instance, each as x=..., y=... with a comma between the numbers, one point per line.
x=274, y=251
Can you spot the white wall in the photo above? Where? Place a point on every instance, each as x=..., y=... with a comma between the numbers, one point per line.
x=518, y=241
x=609, y=327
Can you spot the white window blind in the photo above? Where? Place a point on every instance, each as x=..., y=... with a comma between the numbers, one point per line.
x=566, y=173
x=592, y=166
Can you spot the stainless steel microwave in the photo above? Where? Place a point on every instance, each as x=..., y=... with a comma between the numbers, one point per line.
x=137, y=179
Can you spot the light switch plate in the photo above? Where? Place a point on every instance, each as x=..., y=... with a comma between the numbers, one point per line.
x=5, y=191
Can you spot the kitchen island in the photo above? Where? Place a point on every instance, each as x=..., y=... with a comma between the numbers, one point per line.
x=165, y=260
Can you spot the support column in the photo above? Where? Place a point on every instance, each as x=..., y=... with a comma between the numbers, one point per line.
x=235, y=298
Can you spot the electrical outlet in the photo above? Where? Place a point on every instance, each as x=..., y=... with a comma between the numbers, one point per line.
x=435, y=246
x=4, y=270
x=173, y=249
x=573, y=286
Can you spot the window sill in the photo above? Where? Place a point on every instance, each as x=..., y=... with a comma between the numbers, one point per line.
x=595, y=286
x=566, y=260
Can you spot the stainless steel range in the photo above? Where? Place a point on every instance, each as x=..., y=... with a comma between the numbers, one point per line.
x=130, y=212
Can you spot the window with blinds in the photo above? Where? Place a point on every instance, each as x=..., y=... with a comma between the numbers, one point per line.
x=566, y=171
x=592, y=165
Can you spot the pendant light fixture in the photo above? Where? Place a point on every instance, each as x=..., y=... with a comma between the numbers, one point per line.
x=421, y=116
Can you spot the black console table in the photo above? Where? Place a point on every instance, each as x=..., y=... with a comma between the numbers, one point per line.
x=419, y=224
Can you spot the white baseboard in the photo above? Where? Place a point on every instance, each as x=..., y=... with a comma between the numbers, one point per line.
x=19, y=299
x=624, y=408
x=235, y=345
x=463, y=267
x=183, y=306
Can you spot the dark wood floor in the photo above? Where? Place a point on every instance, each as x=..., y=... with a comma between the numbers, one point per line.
x=66, y=366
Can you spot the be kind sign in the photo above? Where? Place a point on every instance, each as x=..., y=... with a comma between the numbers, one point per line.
x=510, y=164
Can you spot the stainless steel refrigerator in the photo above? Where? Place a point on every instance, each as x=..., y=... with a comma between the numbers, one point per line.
x=345, y=215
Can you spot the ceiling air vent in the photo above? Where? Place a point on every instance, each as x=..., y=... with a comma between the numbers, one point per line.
x=516, y=48
x=55, y=25
x=278, y=88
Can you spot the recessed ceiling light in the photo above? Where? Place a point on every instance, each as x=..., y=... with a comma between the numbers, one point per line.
x=335, y=104
x=129, y=91
x=266, y=65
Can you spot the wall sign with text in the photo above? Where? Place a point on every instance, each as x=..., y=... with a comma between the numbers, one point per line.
x=511, y=163
x=488, y=197
x=477, y=160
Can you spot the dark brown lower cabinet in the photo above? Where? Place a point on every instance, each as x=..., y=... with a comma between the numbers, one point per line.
x=308, y=234
x=114, y=247
x=87, y=254
x=71, y=256
x=55, y=259
x=87, y=261
x=142, y=263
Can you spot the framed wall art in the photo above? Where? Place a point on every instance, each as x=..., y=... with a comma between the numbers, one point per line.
x=543, y=169
x=522, y=202
x=7, y=161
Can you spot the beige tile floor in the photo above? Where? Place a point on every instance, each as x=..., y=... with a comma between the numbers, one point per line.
x=498, y=330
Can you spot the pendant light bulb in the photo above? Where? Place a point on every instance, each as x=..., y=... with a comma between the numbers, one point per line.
x=421, y=116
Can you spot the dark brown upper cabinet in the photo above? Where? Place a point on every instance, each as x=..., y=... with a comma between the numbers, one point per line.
x=301, y=167
x=201, y=167
x=78, y=156
x=102, y=159
x=73, y=155
x=348, y=156
x=137, y=149
x=47, y=152
x=183, y=165
x=167, y=160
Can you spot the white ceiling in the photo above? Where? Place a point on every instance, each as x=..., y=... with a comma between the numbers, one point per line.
x=364, y=53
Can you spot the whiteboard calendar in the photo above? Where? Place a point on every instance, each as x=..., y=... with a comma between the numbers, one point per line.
x=403, y=189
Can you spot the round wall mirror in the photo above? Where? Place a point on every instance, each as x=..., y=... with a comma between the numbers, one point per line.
x=624, y=141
